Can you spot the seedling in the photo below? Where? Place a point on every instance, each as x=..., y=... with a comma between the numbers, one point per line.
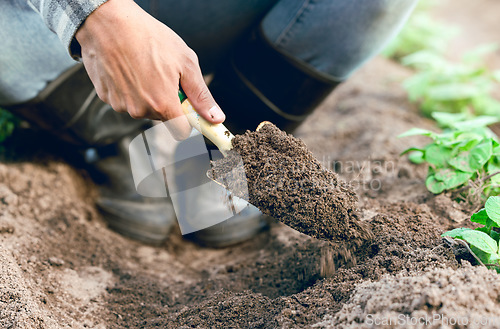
x=465, y=157
x=443, y=86
x=484, y=241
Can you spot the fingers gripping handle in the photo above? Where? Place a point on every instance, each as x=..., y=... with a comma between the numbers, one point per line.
x=217, y=133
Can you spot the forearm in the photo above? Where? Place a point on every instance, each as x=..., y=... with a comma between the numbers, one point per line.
x=64, y=17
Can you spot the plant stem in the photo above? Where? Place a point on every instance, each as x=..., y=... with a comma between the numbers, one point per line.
x=478, y=182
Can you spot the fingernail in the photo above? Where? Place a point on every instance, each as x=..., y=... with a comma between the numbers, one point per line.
x=216, y=113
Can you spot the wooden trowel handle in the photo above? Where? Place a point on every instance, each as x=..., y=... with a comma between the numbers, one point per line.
x=217, y=133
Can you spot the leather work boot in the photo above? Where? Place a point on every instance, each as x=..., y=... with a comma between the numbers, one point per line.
x=142, y=218
x=70, y=109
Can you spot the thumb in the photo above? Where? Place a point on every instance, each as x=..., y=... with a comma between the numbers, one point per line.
x=203, y=102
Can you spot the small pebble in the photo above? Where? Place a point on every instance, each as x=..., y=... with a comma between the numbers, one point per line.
x=54, y=261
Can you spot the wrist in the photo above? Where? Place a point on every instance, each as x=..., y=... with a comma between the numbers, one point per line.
x=105, y=19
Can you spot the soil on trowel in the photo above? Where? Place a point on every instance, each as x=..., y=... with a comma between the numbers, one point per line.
x=286, y=182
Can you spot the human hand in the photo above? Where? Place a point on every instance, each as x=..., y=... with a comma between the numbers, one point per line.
x=137, y=64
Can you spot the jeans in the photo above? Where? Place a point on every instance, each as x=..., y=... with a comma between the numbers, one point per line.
x=331, y=37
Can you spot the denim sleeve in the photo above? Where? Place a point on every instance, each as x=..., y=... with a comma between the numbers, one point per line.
x=64, y=17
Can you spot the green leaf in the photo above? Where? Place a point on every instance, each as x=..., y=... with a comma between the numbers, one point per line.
x=461, y=162
x=425, y=57
x=476, y=134
x=480, y=217
x=495, y=235
x=486, y=105
x=493, y=208
x=417, y=85
x=466, y=145
x=416, y=157
x=496, y=148
x=484, y=230
x=437, y=155
x=434, y=185
x=480, y=154
x=456, y=233
x=481, y=241
x=452, y=178
x=485, y=257
x=410, y=149
x=478, y=122
x=453, y=91
x=475, y=159
x=446, y=119
x=418, y=131
x=479, y=52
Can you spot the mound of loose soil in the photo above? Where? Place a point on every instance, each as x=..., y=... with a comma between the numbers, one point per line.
x=286, y=182
x=463, y=298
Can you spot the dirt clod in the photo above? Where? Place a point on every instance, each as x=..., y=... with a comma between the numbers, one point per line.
x=54, y=261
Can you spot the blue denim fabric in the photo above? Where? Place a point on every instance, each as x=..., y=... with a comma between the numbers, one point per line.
x=334, y=37
x=209, y=27
x=330, y=37
x=30, y=54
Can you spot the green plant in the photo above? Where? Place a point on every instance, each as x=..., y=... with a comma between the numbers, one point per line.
x=465, y=157
x=7, y=124
x=444, y=86
x=421, y=32
x=485, y=240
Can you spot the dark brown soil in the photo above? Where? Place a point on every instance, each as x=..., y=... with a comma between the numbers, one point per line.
x=286, y=182
x=407, y=243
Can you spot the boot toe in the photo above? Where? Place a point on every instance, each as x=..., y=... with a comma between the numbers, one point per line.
x=148, y=222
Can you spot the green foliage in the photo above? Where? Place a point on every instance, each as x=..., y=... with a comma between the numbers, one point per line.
x=440, y=85
x=419, y=33
x=7, y=124
x=465, y=156
x=484, y=241
x=443, y=86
